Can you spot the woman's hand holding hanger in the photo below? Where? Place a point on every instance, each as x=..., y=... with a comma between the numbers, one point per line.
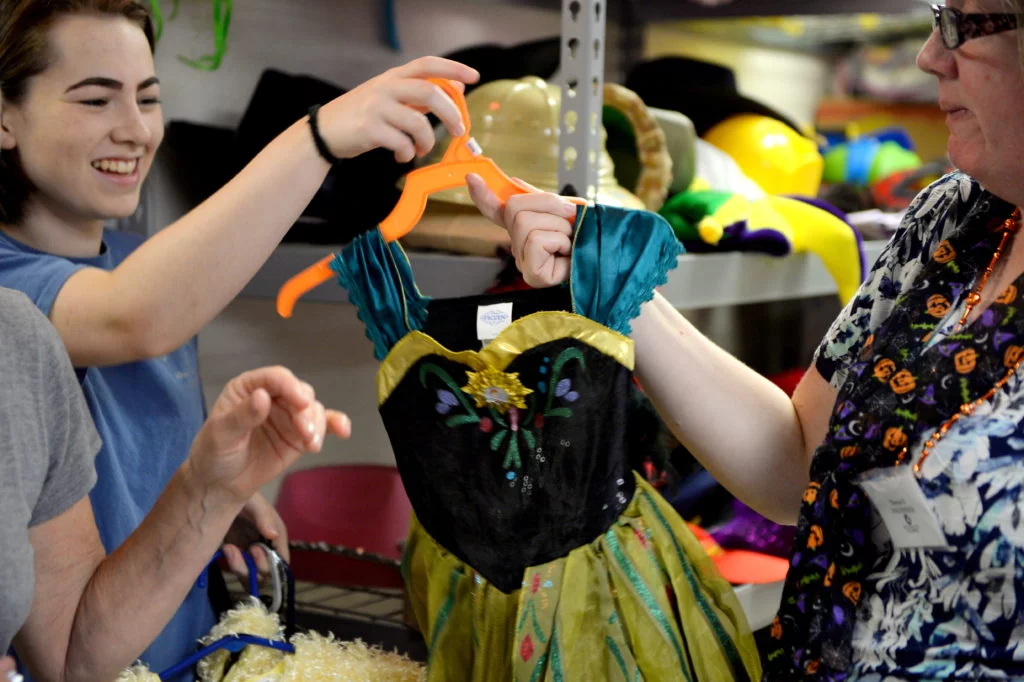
x=257, y=522
x=540, y=225
x=389, y=111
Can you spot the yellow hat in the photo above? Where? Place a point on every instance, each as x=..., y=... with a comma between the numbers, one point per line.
x=771, y=153
x=516, y=123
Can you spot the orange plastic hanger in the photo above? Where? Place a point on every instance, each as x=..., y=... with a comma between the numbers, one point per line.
x=463, y=157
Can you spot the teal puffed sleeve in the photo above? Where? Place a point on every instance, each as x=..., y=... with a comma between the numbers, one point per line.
x=619, y=257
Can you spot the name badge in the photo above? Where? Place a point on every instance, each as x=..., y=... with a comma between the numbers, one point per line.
x=910, y=520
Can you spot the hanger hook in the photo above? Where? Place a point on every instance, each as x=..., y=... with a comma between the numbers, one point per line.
x=276, y=576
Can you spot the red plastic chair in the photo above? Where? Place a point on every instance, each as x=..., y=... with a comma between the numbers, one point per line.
x=362, y=508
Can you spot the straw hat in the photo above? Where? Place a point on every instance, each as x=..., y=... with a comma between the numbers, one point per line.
x=517, y=124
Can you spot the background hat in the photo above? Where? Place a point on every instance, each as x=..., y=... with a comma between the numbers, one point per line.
x=279, y=100
x=680, y=144
x=539, y=58
x=517, y=124
x=778, y=159
x=705, y=92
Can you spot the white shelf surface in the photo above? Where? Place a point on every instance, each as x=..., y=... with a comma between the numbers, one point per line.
x=700, y=280
x=760, y=603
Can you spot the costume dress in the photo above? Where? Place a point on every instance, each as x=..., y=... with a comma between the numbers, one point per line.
x=536, y=553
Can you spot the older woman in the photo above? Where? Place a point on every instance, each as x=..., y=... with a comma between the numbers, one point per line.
x=900, y=455
x=73, y=614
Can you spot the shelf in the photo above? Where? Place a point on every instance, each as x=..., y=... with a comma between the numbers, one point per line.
x=667, y=10
x=438, y=275
x=724, y=279
x=664, y=10
x=760, y=603
x=700, y=281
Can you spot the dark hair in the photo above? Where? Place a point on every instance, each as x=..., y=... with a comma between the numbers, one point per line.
x=25, y=53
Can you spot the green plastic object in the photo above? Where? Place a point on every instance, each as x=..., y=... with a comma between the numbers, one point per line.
x=156, y=11
x=891, y=159
x=686, y=210
x=835, y=165
x=221, y=26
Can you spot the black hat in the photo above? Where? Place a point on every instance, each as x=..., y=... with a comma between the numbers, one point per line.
x=496, y=62
x=706, y=93
x=360, y=192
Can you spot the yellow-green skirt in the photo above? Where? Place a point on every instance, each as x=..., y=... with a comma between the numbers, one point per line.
x=641, y=602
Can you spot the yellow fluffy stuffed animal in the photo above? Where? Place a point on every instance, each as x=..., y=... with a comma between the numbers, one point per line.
x=250, y=618
x=316, y=659
x=138, y=673
x=325, y=659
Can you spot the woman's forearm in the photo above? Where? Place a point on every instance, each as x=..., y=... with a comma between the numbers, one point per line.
x=137, y=589
x=181, y=278
x=743, y=428
x=169, y=288
x=92, y=616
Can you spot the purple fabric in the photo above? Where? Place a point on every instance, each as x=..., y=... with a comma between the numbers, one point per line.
x=739, y=237
x=767, y=240
x=749, y=530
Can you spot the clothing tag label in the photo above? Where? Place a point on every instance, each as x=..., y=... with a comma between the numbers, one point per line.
x=903, y=507
x=491, y=320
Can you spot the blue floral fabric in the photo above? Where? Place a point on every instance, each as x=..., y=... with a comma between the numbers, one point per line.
x=953, y=614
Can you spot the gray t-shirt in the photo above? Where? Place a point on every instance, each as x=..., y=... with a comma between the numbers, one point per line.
x=47, y=446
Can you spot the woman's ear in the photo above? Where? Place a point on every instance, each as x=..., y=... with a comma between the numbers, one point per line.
x=7, y=140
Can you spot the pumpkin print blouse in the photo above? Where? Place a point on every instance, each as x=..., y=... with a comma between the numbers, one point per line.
x=954, y=614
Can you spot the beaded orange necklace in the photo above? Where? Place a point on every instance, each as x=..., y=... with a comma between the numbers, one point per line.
x=1009, y=228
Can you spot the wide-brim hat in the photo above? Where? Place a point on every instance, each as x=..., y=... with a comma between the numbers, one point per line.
x=517, y=124
x=705, y=92
x=680, y=144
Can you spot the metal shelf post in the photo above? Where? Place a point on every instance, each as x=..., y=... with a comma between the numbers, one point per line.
x=583, y=49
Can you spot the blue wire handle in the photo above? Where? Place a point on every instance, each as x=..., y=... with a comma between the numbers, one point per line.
x=254, y=580
x=232, y=643
x=235, y=643
x=289, y=626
